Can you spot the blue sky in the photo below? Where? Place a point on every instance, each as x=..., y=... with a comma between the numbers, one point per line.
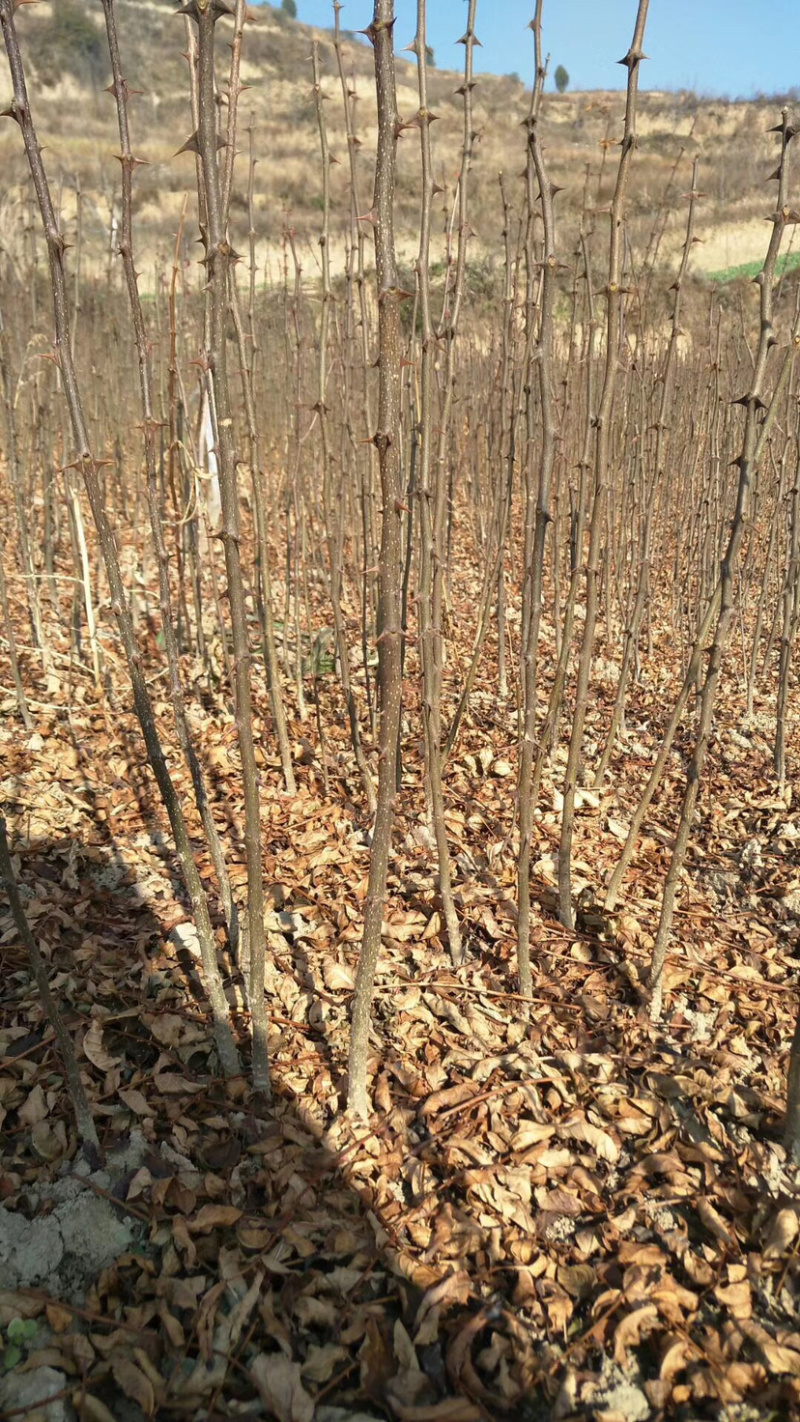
x=734, y=47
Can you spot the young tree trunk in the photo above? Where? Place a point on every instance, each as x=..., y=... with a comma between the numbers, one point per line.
x=791, y=1137
x=266, y=611
x=632, y=630
x=15, y=474
x=150, y=426
x=538, y=517
x=218, y=252
x=264, y=573
x=614, y=296
x=752, y=439
x=19, y=689
x=790, y=605
x=333, y=505
x=86, y=462
x=765, y=589
x=387, y=443
x=690, y=680
x=359, y=322
x=431, y=467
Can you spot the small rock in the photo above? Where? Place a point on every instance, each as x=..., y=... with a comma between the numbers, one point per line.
x=559, y=1228
x=751, y=858
x=618, y=1394
x=65, y=1249
x=26, y=1395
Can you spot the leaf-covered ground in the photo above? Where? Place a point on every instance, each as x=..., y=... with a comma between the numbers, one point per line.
x=557, y=1210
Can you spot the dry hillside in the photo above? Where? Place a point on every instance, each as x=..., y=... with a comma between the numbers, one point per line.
x=67, y=61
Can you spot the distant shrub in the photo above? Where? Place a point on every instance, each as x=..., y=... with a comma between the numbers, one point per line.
x=562, y=79
x=71, y=44
x=289, y=8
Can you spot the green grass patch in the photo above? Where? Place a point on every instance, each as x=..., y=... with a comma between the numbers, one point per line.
x=748, y=270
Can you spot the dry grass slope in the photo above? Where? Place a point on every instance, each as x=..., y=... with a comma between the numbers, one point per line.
x=65, y=53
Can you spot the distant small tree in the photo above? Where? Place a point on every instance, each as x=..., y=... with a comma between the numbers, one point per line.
x=429, y=56
x=289, y=8
x=561, y=77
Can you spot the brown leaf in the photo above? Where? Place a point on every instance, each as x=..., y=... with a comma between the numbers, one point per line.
x=214, y=1217
x=14, y=1305
x=94, y=1050
x=600, y=1142
x=781, y=1359
x=135, y=1102
x=58, y=1318
x=280, y=1383
x=376, y=1357
x=134, y=1384
x=49, y=1140
x=167, y=1028
x=170, y=1083
x=577, y=1279
x=782, y=1232
x=559, y=1202
x=714, y=1222
x=677, y=1352
x=337, y=976
x=736, y=1297
x=631, y=1329
x=34, y=1108
x=90, y=1407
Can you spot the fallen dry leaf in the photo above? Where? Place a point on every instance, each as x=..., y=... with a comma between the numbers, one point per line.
x=280, y=1385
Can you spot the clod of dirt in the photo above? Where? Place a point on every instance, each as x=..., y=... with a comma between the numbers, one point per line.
x=73, y=1233
x=616, y=1393
x=65, y=1249
x=24, y=1393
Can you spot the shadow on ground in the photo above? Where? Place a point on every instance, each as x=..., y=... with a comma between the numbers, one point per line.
x=522, y=1231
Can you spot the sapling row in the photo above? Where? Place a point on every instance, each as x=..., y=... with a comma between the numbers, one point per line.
x=389, y=447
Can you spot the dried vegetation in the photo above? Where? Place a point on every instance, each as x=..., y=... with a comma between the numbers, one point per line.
x=491, y=508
